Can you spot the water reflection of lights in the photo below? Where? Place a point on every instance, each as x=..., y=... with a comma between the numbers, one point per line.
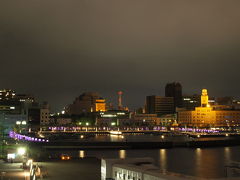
x=163, y=159
x=198, y=152
x=115, y=132
x=114, y=137
x=198, y=156
x=122, y=154
x=227, y=154
x=82, y=154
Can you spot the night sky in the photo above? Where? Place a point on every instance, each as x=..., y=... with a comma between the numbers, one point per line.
x=57, y=49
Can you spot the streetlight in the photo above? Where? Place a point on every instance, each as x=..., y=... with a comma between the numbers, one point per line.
x=113, y=123
x=19, y=125
x=21, y=151
x=87, y=124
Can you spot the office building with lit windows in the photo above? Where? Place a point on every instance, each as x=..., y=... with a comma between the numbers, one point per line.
x=159, y=105
x=209, y=116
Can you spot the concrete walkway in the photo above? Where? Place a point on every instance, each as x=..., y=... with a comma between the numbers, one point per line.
x=12, y=171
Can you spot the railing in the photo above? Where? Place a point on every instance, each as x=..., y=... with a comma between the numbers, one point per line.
x=14, y=135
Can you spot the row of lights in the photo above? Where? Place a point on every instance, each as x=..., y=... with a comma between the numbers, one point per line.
x=21, y=122
x=12, y=134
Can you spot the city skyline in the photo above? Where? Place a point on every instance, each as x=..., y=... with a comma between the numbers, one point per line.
x=112, y=101
x=105, y=47
x=119, y=89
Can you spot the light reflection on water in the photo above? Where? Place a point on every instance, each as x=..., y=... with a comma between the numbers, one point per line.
x=130, y=138
x=82, y=154
x=198, y=163
x=201, y=162
x=122, y=154
x=227, y=154
x=163, y=159
x=116, y=138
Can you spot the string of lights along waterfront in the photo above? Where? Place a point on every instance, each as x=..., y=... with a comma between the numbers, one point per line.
x=119, y=90
x=116, y=142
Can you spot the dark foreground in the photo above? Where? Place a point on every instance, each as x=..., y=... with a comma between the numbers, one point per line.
x=81, y=169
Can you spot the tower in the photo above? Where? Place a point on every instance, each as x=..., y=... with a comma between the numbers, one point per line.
x=120, y=100
x=204, y=98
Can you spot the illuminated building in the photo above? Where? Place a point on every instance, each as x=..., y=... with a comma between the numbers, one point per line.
x=21, y=109
x=146, y=119
x=25, y=98
x=193, y=101
x=100, y=105
x=118, y=117
x=159, y=105
x=174, y=90
x=135, y=169
x=87, y=102
x=209, y=116
x=167, y=120
x=7, y=94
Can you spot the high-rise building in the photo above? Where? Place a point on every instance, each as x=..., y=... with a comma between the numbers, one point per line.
x=19, y=109
x=159, y=105
x=174, y=90
x=120, y=106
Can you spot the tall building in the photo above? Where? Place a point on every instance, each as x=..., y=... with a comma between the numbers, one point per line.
x=174, y=90
x=87, y=102
x=209, y=116
x=159, y=105
x=20, y=109
x=120, y=106
x=45, y=114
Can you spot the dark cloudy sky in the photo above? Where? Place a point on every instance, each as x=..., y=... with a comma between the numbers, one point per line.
x=57, y=49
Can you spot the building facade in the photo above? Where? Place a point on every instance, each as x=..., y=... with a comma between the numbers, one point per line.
x=87, y=102
x=113, y=118
x=159, y=105
x=167, y=120
x=209, y=116
x=174, y=90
